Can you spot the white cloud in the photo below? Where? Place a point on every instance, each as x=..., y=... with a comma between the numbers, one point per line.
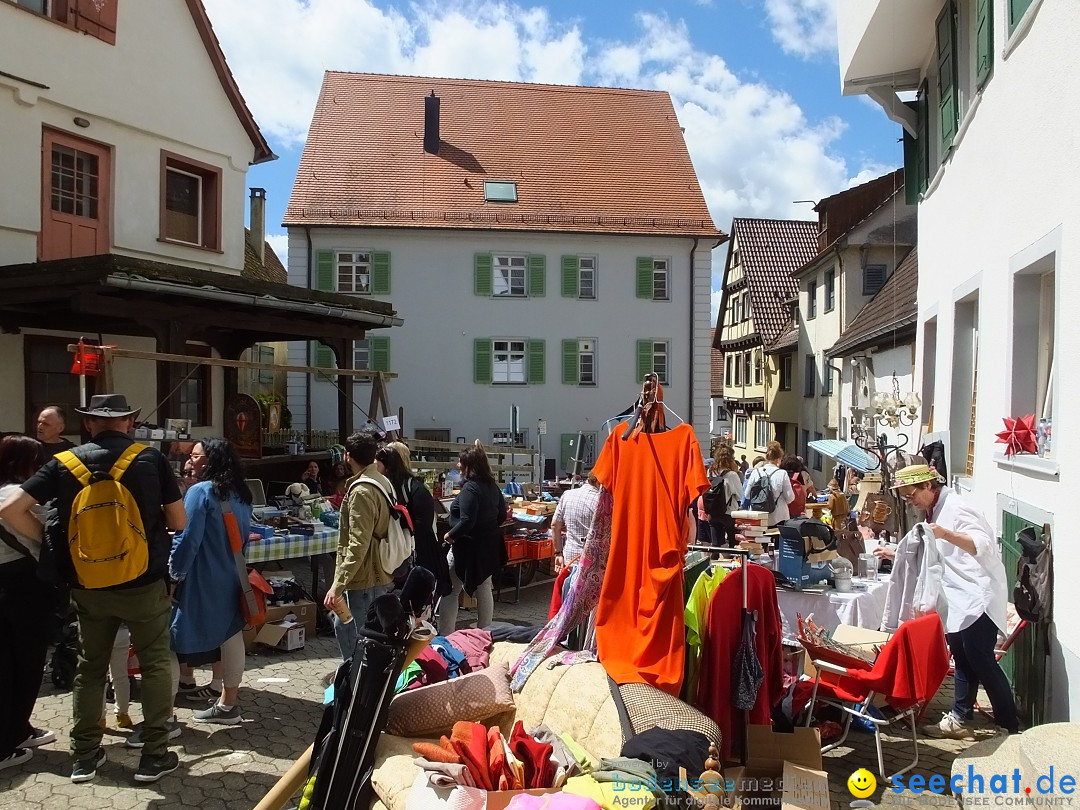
x=280, y=243
x=804, y=28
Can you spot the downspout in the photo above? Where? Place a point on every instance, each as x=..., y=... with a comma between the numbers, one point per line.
x=843, y=299
x=310, y=360
x=690, y=377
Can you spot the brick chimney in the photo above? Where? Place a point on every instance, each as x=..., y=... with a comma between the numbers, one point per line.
x=257, y=230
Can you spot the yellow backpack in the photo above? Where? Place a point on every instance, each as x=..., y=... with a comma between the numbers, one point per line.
x=105, y=531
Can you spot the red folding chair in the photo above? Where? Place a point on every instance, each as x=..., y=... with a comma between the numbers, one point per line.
x=907, y=673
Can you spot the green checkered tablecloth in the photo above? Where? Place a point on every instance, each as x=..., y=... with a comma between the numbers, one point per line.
x=288, y=546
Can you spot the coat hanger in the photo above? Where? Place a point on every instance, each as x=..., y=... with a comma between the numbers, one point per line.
x=649, y=409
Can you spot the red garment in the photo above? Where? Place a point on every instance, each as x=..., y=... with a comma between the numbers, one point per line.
x=470, y=743
x=502, y=776
x=433, y=666
x=475, y=645
x=723, y=632
x=534, y=755
x=798, y=505
x=556, y=594
x=436, y=753
x=653, y=478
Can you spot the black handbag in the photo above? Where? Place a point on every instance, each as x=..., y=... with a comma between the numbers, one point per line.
x=747, y=675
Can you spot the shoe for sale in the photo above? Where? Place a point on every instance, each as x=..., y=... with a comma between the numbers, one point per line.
x=135, y=740
x=16, y=757
x=218, y=714
x=153, y=768
x=38, y=736
x=950, y=729
x=203, y=694
x=86, y=769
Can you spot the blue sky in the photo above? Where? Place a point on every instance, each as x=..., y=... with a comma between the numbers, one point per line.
x=754, y=82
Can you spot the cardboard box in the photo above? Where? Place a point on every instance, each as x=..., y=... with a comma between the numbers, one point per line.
x=282, y=635
x=853, y=636
x=304, y=610
x=499, y=799
x=781, y=769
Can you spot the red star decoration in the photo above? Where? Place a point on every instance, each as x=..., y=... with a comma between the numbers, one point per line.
x=1019, y=435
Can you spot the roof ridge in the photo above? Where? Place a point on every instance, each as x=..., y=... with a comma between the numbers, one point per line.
x=413, y=78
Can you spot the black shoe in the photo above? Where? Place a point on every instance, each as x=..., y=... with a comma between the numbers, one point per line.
x=153, y=768
x=86, y=769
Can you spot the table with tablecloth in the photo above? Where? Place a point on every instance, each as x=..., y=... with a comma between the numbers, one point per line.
x=289, y=546
x=863, y=607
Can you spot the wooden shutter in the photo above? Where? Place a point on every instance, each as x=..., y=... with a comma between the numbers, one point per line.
x=379, y=354
x=1016, y=12
x=644, y=277
x=380, y=273
x=482, y=360
x=482, y=276
x=322, y=355
x=536, y=361
x=984, y=40
x=946, y=63
x=644, y=359
x=324, y=270
x=570, y=373
x=98, y=19
x=537, y=276
x=571, y=276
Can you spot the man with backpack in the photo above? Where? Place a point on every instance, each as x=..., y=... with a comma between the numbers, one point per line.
x=115, y=501
x=359, y=576
x=768, y=488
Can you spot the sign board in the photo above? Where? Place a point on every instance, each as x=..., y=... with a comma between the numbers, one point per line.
x=390, y=423
x=541, y=427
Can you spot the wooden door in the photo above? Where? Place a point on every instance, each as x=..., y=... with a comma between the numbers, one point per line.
x=75, y=176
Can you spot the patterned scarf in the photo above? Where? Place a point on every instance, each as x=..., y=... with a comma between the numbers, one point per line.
x=582, y=599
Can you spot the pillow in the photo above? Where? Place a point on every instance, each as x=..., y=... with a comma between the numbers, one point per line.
x=432, y=710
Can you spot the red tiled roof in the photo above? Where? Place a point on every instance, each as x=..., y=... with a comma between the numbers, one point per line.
x=717, y=378
x=770, y=250
x=788, y=340
x=591, y=159
x=270, y=269
x=890, y=313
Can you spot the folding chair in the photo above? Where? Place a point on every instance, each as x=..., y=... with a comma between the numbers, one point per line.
x=907, y=672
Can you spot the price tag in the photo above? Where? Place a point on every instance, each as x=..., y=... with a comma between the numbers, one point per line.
x=390, y=423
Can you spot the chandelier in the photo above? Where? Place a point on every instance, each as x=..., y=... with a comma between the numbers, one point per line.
x=891, y=410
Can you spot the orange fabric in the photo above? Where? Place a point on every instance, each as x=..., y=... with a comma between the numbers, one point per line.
x=653, y=479
x=470, y=743
x=436, y=753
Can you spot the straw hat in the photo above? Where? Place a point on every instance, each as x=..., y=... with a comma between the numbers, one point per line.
x=914, y=474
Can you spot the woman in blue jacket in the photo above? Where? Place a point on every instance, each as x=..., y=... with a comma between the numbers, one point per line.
x=207, y=625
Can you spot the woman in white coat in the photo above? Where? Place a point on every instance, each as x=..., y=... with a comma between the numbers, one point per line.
x=973, y=581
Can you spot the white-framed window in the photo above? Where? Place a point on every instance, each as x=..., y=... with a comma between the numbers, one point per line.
x=1034, y=319
x=747, y=364
x=738, y=369
x=761, y=433
x=738, y=309
x=653, y=278
x=785, y=372
x=660, y=360
x=261, y=353
x=587, y=362
x=759, y=367
x=361, y=355
x=740, y=430
x=830, y=290
x=504, y=436
x=508, y=364
x=587, y=277
x=509, y=276
x=746, y=306
x=729, y=365
x=353, y=272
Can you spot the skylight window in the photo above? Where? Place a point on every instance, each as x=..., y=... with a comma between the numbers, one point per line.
x=500, y=191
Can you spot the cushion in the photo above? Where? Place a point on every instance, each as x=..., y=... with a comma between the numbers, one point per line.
x=649, y=707
x=433, y=709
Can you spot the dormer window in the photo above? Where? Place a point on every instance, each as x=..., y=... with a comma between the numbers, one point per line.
x=500, y=191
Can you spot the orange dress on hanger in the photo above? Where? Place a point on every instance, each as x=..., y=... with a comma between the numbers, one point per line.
x=653, y=478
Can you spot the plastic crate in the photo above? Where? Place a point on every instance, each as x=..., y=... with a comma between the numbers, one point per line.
x=515, y=549
x=540, y=549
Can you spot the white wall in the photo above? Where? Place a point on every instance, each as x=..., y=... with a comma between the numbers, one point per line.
x=432, y=289
x=1005, y=198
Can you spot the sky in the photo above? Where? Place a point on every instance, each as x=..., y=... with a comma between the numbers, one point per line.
x=755, y=83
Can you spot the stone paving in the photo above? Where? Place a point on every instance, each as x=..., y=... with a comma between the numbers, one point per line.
x=281, y=699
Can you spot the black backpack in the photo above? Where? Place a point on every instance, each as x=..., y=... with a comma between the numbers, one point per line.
x=761, y=495
x=715, y=498
x=1033, y=592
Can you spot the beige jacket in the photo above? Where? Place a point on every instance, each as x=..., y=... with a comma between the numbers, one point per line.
x=365, y=520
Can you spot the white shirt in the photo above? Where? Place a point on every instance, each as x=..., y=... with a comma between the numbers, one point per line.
x=974, y=584
x=7, y=553
x=781, y=488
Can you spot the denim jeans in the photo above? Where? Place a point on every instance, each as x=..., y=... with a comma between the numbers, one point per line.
x=359, y=601
x=973, y=654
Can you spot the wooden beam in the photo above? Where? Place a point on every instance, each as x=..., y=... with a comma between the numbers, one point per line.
x=166, y=357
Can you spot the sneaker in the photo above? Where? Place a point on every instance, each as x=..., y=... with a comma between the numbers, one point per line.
x=135, y=740
x=202, y=694
x=38, y=736
x=950, y=729
x=153, y=768
x=16, y=757
x=86, y=769
x=218, y=714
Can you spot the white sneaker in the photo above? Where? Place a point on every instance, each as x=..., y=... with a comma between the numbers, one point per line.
x=950, y=729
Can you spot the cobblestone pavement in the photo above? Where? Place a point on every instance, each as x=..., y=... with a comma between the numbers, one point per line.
x=281, y=699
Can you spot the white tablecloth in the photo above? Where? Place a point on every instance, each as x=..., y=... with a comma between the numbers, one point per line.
x=861, y=608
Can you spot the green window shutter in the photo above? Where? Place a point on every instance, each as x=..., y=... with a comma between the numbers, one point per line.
x=324, y=270
x=946, y=63
x=644, y=277
x=536, y=361
x=570, y=276
x=984, y=40
x=380, y=273
x=1016, y=11
x=322, y=355
x=482, y=360
x=482, y=275
x=379, y=353
x=644, y=359
x=570, y=362
x=566, y=449
x=917, y=151
x=537, y=276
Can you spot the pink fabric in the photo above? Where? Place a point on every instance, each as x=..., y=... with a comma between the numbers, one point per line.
x=552, y=801
x=475, y=645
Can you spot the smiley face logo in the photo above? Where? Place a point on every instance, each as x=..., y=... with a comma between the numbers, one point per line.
x=861, y=783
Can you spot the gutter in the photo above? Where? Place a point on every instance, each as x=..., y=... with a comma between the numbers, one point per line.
x=690, y=320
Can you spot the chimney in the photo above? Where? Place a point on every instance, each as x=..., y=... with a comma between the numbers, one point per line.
x=257, y=229
x=431, y=123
